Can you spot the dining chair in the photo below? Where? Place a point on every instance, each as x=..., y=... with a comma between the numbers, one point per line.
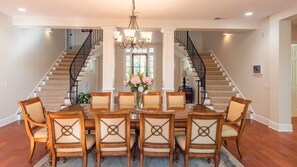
x=156, y=135
x=113, y=136
x=67, y=137
x=100, y=101
x=203, y=137
x=126, y=100
x=176, y=100
x=34, y=119
x=233, y=126
x=152, y=100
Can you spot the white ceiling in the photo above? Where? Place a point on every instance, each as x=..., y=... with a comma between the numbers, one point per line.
x=147, y=10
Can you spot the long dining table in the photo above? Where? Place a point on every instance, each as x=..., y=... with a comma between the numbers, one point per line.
x=180, y=115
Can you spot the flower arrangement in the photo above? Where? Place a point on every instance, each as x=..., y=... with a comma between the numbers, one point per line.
x=138, y=82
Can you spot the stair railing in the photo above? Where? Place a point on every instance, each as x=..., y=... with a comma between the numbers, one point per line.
x=94, y=38
x=184, y=39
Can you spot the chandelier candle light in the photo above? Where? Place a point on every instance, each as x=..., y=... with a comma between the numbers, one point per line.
x=130, y=39
x=138, y=83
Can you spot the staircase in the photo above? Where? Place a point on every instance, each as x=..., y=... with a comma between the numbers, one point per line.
x=218, y=89
x=54, y=90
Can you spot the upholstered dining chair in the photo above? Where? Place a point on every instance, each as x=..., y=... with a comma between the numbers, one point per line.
x=126, y=100
x=152, y=100
x=203, y=137
x=156, y=135
x=176, y=100
x=235, y=120
x=67, y=137
x=34, y=120
x=113, y=136
x=100, y=101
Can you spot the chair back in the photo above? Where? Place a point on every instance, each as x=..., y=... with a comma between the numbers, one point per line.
x=112, y=132
x=237, y=110
x=126, y=100
x=100, y=101
x=33, y=112
x=176, y=100
x=66, y=132
x=157, y=132
x=152, y=100
x=204, y=133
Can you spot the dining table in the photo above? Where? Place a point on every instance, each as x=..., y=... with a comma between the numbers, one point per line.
x=179, y=122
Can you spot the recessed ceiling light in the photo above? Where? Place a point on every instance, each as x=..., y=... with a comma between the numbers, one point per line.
x=22, y=9
x=248, y=13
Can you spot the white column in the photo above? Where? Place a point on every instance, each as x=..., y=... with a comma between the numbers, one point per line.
x=280, y=75
x=108, y=69
x=168, y=62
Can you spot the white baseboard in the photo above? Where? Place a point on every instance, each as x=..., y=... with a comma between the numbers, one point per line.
x=259, y=118
x=271, y=124
x=280, y=127
x=8, y=120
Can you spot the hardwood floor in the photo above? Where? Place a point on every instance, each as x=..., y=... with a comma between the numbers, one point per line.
x=260, y=145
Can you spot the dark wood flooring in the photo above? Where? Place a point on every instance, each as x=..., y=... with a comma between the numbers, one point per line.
x=261, y=146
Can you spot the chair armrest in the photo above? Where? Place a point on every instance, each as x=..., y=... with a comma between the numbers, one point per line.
x=235, y=121
x=34, y=122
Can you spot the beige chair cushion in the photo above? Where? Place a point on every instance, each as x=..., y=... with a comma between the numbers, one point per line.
x=181, y=141
x=151, y=101
x=176, y=101
x=235, y=110
x=66, y=134
x=179, y=131
x=41, y=133
x=35, y=112
x=132, y=141
x=117, y=125
x=100, y=102
x=228, y=131
x=126, y=102
x=90, y=141
x=149, y=138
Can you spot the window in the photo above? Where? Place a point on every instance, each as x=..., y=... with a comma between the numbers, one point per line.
x=140, y=60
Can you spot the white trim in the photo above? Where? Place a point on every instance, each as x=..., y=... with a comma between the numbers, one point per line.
x=260, y=118
x=280, y=127
x=41, y=81
x=9, y=119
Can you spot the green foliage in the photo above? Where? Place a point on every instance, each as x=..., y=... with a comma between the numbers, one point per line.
x=83, y=98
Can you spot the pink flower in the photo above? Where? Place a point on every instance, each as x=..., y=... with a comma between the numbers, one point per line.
x=147, y=80
x=135, y=80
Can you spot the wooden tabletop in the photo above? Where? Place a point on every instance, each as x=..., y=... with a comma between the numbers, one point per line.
x=180, y=115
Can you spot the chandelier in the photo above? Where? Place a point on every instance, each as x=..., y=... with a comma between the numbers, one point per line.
x=133, y=36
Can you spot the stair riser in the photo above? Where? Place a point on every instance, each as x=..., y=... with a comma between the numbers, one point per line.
x=219, y=100
x=220, y=107
x=209, y=73
x=220, y=94
x=56, y=82
x=217, y=82
x=219, y=88
x=52, y=99
x=213, y=77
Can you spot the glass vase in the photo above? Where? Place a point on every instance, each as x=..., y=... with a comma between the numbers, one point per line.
x=137, y=100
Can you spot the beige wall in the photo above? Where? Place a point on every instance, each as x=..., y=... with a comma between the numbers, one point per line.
x=294, y=34
x=197, y=39
x=238, y=53
x=177, y=72
x=26, y=55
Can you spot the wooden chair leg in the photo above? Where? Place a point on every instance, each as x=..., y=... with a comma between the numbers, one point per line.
x=225, y=142
x=54, y=160
x=85, y=160
x=171, y=157
x=140, y=160
x=128, y=159
x=186, y=160
x=176, y=151
x=98, y=159
x=32, y=148
x=238, y=147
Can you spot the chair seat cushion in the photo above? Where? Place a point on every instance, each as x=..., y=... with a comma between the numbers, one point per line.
x=229, y=131
x=181, y=141
x=179, y=131
x=41, y=133
x=90, y=141
x=132, y=141
x=161, y=150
